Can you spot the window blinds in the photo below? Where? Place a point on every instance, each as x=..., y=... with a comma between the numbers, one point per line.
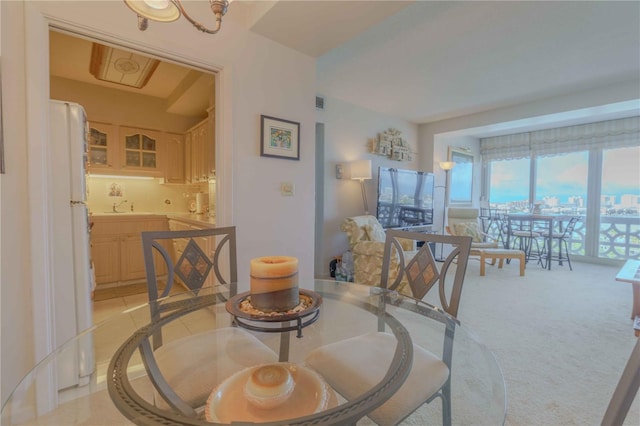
x=618, y=133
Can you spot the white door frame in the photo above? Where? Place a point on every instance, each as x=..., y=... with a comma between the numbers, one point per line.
x=37, y=94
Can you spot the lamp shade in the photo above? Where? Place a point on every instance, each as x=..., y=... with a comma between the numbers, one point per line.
x=361, y=169
x=447, y=165
x=156, y=10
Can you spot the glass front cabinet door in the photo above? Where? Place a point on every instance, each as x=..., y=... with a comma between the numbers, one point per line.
x=141, y=149
x=102, y=147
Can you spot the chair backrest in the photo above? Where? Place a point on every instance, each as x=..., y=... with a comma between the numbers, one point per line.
x=458, y=215
x=465, y=221
x=190, y=256
x=422, y=271
x=462, y=214
x=362, y=228
x=568, y=230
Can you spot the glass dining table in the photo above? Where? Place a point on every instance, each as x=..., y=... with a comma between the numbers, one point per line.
x=127, y=385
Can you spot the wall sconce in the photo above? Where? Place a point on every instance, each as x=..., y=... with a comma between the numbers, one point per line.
x=170, y=10
x=361, y=170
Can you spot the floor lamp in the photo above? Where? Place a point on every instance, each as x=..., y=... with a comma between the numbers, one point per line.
x=446, y=166
x=361, y=170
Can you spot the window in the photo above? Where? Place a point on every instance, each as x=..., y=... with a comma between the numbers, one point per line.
x=561, y=183
x=509, y=184
x=619, y=213
x=461, y=176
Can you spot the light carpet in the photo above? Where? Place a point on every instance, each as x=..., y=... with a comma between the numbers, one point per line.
x=561, y=337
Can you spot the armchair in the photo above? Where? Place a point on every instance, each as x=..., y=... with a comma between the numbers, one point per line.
x=366, y=241
x=464, y=221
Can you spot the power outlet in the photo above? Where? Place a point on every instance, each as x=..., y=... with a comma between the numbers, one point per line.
x=287, y=189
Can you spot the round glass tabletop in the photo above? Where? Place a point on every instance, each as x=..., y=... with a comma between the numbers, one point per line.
x=205, y=357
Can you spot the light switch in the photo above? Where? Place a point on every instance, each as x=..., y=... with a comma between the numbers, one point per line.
x=287, y=188
x=340, y=171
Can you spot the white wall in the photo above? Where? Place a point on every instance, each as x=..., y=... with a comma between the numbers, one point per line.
x=15, y=272
x=348, y=130
x=256, y=77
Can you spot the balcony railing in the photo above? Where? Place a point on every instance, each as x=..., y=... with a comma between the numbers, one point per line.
x=619, y=238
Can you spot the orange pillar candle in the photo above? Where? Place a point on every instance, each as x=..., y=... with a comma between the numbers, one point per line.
x=274, y=283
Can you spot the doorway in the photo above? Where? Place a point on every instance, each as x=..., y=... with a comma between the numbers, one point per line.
x=168, y=98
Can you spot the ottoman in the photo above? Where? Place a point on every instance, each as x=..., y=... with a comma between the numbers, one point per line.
x=501, y=254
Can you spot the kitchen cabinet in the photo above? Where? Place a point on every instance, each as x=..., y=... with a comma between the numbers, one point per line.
x=102, y=147
x=141, y=150
x=116, y=246
x=124, y=150
x=200, y=147
x=175, y=164
x=132, y=258
x=105, y=253
x=211, y=154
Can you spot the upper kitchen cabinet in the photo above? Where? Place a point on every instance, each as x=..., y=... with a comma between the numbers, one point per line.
x=141, y=151
x=103, y=147
x=125, y=150
x=200, y=152
x=175, y=158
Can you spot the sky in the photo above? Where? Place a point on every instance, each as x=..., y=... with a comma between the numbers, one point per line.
x=566, y=175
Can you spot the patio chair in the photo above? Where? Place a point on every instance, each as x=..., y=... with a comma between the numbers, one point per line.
x=524, y=234
x=562, y=239
x=184, y=379
x=349, y=366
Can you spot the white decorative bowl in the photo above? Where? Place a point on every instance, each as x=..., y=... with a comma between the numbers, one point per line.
x=269, y=386
x=310, y=394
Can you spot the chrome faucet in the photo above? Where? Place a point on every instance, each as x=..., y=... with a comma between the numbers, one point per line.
x=116, y=205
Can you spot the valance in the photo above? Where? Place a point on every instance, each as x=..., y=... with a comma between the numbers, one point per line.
x=505, y=147
x=618, y=133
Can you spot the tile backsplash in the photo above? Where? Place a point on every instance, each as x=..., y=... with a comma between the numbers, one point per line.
x=146, y=195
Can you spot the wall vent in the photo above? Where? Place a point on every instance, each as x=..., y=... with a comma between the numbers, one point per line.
x=320, y=103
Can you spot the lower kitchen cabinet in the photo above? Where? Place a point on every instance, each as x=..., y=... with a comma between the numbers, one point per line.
x=105, y=253
x=132, y=259
x=116, y=247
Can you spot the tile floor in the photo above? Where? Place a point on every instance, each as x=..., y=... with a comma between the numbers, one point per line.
x=110, y=301
x=108, y=304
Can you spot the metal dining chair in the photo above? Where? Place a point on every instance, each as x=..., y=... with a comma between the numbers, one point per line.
x=197, y=258
x=525, y=234
x=562, y=240
x=350, y=365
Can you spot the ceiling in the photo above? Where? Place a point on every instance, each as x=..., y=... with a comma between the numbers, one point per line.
x=185, y=90
x=427, y=60
x=423, y=61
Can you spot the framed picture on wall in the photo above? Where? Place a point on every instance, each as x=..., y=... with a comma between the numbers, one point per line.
x=461, y=185
x=279, y=138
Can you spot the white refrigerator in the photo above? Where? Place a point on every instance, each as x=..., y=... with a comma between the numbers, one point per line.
x=73, y=278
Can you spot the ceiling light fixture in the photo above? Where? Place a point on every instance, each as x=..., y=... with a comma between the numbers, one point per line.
x=170, y=10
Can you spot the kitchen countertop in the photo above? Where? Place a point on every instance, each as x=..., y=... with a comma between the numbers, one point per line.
x=196, y=219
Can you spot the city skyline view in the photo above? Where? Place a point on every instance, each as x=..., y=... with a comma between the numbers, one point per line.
x=565, y=176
